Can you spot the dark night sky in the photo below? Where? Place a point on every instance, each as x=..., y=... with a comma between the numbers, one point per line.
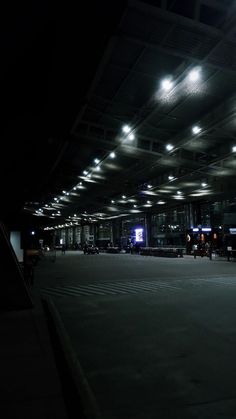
x=49, y=56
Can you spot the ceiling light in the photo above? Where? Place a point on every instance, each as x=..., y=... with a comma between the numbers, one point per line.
x=126, y=129
x=194, y=74
x=169, y=147
x=196, y=129
x=112, y=201
x=123, y=196
x=96, y=161
x=167, y=84
x=74, y=188
x=63, y=191
x=170, y=177
x=149, y=186
x=204, y=184
x=160, y=202
x=131, y=137
x=135, y=206
x=148, y=202
x=179, y=192
x=85, y=172
x=234, y=149
x=112, y=155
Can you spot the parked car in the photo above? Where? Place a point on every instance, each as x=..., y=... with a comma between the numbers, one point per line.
x=90, y=249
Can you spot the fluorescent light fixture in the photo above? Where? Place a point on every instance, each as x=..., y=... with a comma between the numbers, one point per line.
x=196, y=129
x=194, y=74
x=195, y=229
x=126, y=129
x=131, y=136
x=169, y=147
x=167, y=84
x=206, y=229
x=112, y=155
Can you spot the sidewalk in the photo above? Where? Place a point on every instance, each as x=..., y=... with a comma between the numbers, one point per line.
x=30, y=386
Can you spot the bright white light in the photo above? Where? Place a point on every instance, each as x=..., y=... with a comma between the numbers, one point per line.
x=194, y=74
x=167, y=84
x=131, y=137
x=169, y=147
x=179, y=192
x=112, y=201
x=196, y=129
x=74, y=188
x=63, y=191
x=148, y=202
x=32, y=233
x=126, y=129
x=123, y=196
x=234, y=149
x=85, y=172
x=135, y=206
x=160, y=202
x=96, y=161
x=112, y=155
x=75, y=215
x=170, y=177
x=204, y=184
x=98, y=168
x=149, y=186
x=89, y=175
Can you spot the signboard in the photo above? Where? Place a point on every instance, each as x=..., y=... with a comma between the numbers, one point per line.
x=139, y=234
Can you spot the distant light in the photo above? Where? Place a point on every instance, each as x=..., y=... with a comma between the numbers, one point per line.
x=206, y=229
x=204, y=184
x=167, y=84
x=112, y=201
x=85, y=172
x=74, y=188
x=196, y=229
x=138, y=234
x=196, y=129
x=32, y=233
x=89, y=175
x=160, y=202
x=123, y=196
x=234, y=149
x=179, y=192
x=149, y=186
x=98, y=168
x=96, y=161
x=170, y=177
x=148, y=202
x=67, y=193
x=169, y=147
x=126, y=129
x=55, y=199
x=75, y=215
x=63, y=191
x=135, y=206
x=131, y=137
x=112, y=155
x=194, y=74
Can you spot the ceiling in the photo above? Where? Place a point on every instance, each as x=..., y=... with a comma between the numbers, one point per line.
x=75, y=81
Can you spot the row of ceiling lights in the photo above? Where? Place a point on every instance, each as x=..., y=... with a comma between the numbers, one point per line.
x=167, y=84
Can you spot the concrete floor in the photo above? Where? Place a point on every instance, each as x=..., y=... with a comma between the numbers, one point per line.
x=156, y=337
